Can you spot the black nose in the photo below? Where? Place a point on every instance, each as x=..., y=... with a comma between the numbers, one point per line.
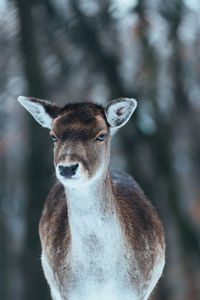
x=68, y=171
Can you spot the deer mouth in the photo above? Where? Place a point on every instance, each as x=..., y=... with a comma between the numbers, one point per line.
x=71, y=178
x=73, y=174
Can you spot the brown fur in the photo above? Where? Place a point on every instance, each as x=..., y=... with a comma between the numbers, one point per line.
x=140, y=221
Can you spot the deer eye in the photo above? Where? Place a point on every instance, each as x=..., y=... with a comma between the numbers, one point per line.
x=54, y=139
x=101, y=137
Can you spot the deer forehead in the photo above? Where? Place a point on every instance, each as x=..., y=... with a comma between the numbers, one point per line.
x=79, y=126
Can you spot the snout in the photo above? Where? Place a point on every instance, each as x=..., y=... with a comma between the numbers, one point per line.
x=68, y=171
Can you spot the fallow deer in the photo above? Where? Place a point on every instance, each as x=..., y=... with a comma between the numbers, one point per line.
x=101, y=238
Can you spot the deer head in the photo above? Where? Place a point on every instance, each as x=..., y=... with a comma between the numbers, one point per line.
x=81, y=135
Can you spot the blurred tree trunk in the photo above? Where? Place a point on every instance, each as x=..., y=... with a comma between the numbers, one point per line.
x=3, y=240
x=84, y=34
x=37, y=179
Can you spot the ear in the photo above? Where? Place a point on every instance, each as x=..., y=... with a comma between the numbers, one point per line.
x=42, y=111
x=119, y=111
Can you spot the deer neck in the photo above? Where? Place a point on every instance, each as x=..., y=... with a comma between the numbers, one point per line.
x=84, y=198
x=92, y=214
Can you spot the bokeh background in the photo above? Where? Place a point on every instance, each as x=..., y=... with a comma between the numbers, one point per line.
x=99, y=50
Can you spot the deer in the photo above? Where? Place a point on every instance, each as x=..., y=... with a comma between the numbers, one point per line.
x=101, y=238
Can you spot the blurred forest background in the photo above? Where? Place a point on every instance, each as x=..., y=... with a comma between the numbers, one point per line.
x=99, y=50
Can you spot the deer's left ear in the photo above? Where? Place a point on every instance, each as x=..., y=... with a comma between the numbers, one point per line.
x=42, y=111
x=119, y=111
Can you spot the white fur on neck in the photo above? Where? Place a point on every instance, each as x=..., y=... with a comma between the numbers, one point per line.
x=86, y=209
x=97, y=246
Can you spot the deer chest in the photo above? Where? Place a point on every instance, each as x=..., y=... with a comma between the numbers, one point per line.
x=95, y=267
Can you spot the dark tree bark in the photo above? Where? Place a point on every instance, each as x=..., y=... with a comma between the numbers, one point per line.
x=37, y=173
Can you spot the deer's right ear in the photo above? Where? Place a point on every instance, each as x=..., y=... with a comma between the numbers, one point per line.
x=42, y=111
